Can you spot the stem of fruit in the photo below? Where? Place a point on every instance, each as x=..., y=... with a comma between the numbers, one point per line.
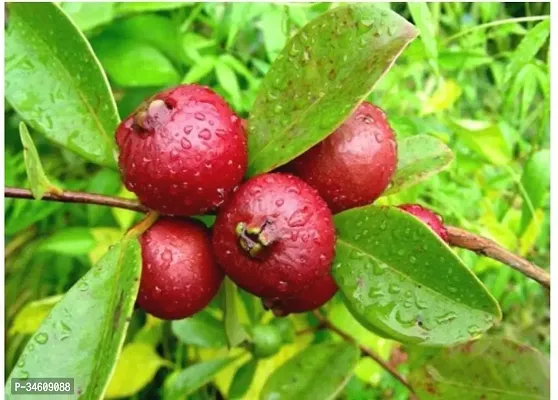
x=486, y=247
x=363, y=349
x=78, y=197
x=457, y=237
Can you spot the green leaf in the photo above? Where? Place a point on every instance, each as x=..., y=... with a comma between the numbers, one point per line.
x=182, y=383
x=235, y=332
x=90, y=321
x=424, y=21
x=319, y=78
x=528, y=48
x=489, y=368
x=484, y=138
x=200, y=70
x=367, y=369
x=162, y=33
x=104, y=238
x=73, y=241
x=202, y=329
x=140, y=7
x=132, y=63
x=228, y=80
x=243, y=379
x=38, y=180
x=137, y=366
x=89, y=15
x=30, y=317
x=318, y=372
x=400, y=280
x=536, y=181
x=419, y=157
x=125, y=218
x=272, y=25
x=56, y=84
x=443, y=98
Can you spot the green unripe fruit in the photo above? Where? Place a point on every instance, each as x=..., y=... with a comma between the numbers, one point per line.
x=286, y=328
x=267, y=340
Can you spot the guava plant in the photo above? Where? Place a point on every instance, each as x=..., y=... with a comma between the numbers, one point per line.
x=279, y=205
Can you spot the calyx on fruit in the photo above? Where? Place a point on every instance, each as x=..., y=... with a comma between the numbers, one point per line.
x=183, y=151
x=429, y=217
x=354, y=165
x=179, y=273
x=274, y=237
x=314, y=297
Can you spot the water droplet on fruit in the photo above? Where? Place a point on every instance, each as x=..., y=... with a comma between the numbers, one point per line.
x=185, y=143
x=83, y=286
x=204, y=134
x=279, y=202
x=282, y=286
x=199, y=116
x=188, y=129
x=300, y=217
x=221, y=133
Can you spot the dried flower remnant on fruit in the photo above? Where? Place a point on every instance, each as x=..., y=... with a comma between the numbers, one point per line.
x=275, y=236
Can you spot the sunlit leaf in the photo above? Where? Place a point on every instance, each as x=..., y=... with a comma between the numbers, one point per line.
x=30, y=317
x=202, y=329
x=298, y=378
x=91, y=321
x=400, y=280
x=39, y=182
x=236, y=333
x=490, y=368
x=443, y=98
x=418, y=158
x=89, y=15
x=187, y=381
x=136, y=367
x=528, y=48
x=315, y=84
x=56, y=84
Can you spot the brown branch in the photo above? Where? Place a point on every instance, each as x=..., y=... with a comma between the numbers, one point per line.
x=78, y=197
x=363, y=349
x=457, y=237
x=481, y=245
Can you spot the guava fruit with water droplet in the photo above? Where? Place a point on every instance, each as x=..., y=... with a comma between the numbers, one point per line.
x=314, y=297
x=275, y=236
x=429, y=217
x=183, y=151
x=180, y=275
x=354, y=165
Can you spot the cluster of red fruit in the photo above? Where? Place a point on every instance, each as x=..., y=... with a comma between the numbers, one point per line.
x=183, y=153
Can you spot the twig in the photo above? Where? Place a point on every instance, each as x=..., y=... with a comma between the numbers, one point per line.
x=78, y=197
x=363, y=349
x=495, y=23
x=457, y=237
x=467, y=240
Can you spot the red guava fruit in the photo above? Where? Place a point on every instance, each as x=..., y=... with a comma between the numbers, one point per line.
x=183, y=151
x=274, y=237
x=180, y=275
x=354, y=165
x=429, y=217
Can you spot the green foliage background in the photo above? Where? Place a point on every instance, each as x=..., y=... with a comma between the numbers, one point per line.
x=477, y=78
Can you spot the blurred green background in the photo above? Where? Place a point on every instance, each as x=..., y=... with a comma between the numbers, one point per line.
x=477, y=78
